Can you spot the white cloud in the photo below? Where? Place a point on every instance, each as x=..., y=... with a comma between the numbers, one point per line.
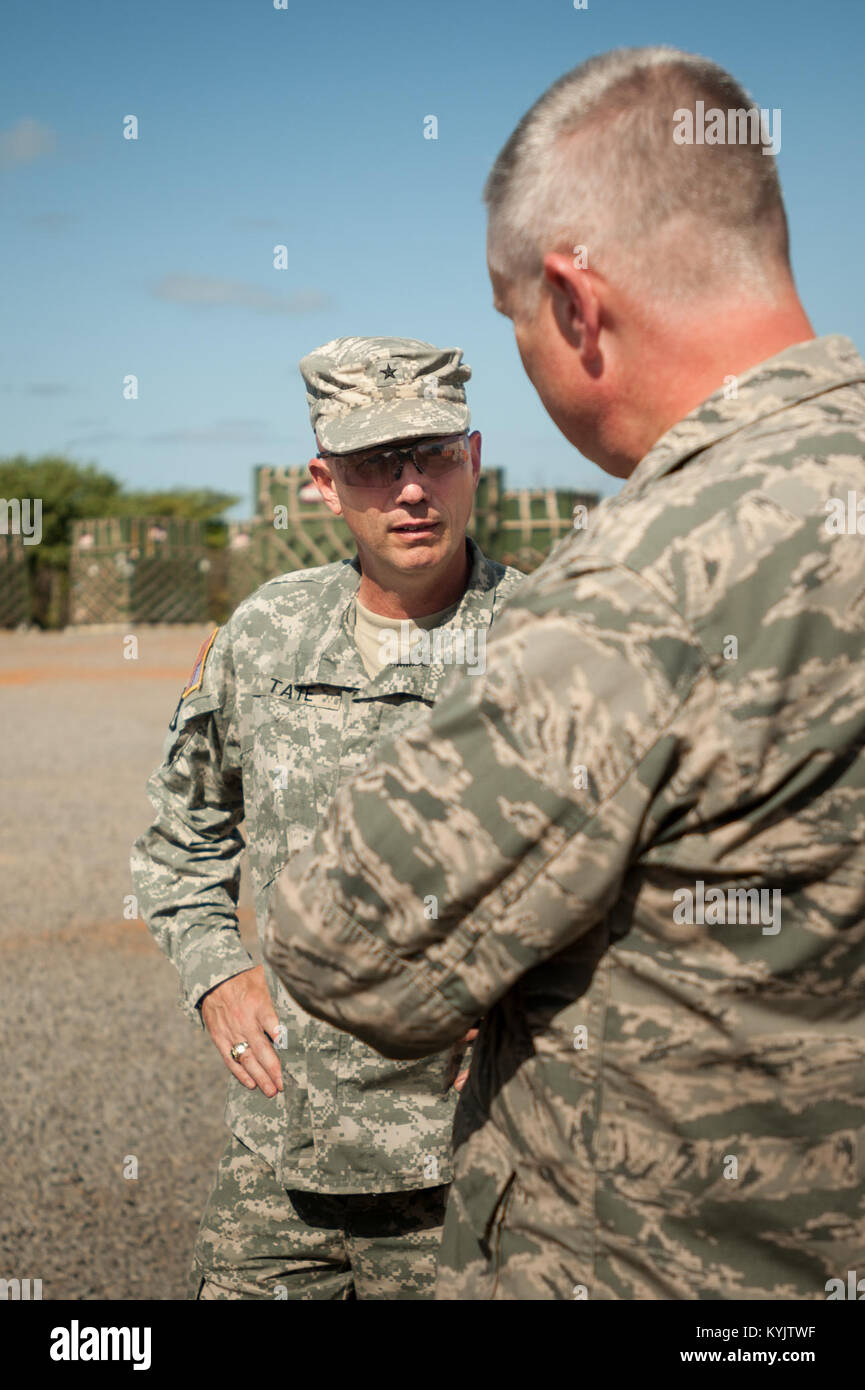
x=97, y=437
x=51, y=221
x=47, y=388
x=26, y=141
x=208, y=292
x=269, y=224
x=247, y=433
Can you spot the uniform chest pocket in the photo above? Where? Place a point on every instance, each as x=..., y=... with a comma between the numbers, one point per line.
x=290, y=762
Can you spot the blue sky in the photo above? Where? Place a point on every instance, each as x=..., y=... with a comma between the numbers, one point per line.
x=304, y=127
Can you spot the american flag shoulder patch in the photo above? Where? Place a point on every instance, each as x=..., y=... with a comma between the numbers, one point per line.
x=197, y=673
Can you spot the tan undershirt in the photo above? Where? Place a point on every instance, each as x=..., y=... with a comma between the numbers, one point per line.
x=369, y=626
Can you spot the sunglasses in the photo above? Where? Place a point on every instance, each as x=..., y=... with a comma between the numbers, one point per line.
x=432, y=458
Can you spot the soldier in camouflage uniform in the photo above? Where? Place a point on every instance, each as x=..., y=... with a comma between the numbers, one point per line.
x=644, y=825
x=334, y=1178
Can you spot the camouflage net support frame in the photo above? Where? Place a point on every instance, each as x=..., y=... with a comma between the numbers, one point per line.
x=293, y=532
x=138, y=570
x=157, y=570
x=532, y=520
x=15, y=589
x=294, y=529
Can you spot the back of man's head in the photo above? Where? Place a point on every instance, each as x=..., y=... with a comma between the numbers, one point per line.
x=602, y=161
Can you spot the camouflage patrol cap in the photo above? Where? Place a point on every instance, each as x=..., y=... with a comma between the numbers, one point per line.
x=365, y=391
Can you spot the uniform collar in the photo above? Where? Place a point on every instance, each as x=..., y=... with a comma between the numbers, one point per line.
x=330, y=656
x=799, y=373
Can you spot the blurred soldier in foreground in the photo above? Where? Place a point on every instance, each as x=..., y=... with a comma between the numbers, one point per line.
x=334, y=1179
x=644, y=825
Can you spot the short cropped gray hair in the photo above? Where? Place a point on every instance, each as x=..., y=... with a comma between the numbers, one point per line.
x=594, y=164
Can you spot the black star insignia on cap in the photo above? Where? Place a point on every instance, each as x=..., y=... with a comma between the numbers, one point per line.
x=388, y=371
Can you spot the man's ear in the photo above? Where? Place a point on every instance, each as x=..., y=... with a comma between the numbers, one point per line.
x=321, y=476
x=475, y=449
x=575, y=303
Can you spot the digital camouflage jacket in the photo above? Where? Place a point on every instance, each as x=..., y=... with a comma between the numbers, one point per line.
x=280, y=711
x=645, y=830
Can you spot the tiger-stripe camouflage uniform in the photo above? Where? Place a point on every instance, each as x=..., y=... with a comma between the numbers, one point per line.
x=667, y=1097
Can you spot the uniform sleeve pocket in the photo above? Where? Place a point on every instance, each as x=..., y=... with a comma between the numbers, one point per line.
x=188, y=718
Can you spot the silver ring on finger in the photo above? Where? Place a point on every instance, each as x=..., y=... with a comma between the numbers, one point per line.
x=238, y=1050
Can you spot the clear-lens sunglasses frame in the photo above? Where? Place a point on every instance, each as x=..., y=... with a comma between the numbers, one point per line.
x=380, y=471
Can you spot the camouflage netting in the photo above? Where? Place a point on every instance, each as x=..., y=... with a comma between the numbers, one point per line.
x=293, y=528
x=14, y=581
x=158, y=570
x=138, y=569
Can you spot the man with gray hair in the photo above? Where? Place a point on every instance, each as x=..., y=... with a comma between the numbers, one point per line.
x=333, y=1181
x=664, y=1102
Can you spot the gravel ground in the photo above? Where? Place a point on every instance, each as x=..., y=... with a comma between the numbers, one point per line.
x=99, y=1062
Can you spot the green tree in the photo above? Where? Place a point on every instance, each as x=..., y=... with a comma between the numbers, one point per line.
x=67, y=491
x=76, y=492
